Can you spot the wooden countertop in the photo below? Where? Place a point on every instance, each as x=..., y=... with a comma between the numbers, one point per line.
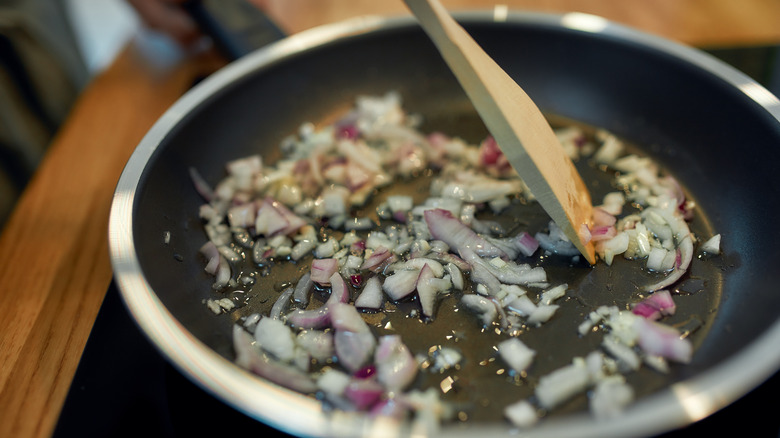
x=54, y=248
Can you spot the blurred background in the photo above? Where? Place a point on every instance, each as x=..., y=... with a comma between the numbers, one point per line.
x=51, y=49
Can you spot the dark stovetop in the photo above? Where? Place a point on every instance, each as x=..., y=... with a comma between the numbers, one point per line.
x=124, y=387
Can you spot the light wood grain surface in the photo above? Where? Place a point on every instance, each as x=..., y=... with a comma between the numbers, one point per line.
x=55, y=268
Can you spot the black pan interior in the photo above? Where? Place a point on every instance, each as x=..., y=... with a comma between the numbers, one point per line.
x=720, y=145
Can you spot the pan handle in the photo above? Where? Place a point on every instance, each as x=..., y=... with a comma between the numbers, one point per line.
x=235, y=26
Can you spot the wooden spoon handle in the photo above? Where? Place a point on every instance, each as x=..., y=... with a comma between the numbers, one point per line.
x=519, y=127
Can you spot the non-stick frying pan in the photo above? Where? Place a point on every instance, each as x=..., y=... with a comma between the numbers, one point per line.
x=713, y=128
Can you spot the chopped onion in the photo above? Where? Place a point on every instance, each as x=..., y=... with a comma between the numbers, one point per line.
x=282, y=374
x=330, y=172
x=663, y=340
x=395, y=366
x=658, y=304
x=562, y=384
x=353, y=340
x=276, y=338
x=712, y=245
x=522, y=414
x=516, y=354
x=610, y=397
x=401, y=283
x=323, y=269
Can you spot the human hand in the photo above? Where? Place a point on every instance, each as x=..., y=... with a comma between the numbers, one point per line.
x=167, y=17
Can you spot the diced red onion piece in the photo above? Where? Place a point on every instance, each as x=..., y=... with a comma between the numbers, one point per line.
x=371, y=295
x=526, y=244
x=654, y=306
x=323, y=269
x=211, y=252
x=282, y=374
x=389, y=408
x=365, y=372
x=681, y=267
x=269, y=220
x=603, y=218
x=281, y=304
x=303, y=289
x=294, y=222
x=353, y=340
x=276, y=338
x=445, y=227
x=310, y=319
x=364, y=393
x=319, y=344
x=376, y=259
x=339, y=292
x=663, y=340
x=401, y=284
x=242, y=216
x=426, y=292
x=602, y=233
x=395, y=365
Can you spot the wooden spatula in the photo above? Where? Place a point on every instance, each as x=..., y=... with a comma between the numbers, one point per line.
x=516, y=123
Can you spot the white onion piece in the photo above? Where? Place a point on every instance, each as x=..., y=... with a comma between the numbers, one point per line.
x=401, y=284
x=250, y=358
x=333, y=382
x=482, y=306
x=516, y=354
x=624, y=354
x=550, y=295
x=273, y=336
x=339, y=293
x=562, y=384
x=210, y=251
x=269, y=220
x=522, y=414
x=353, y=341
x=522, y=305
x=389, y=408
x=712, y=245
x=610, y=397
x=444, y=226
x=542, y=314
x=371, y=295
x=281, y=304
x=242, y=216
x=319, y=344
x=437, y=270
x=681, y=266
x=426, y=290
x=395, y=366
x=303, y=289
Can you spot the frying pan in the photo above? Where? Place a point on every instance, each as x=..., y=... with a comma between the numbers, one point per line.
x=713, y=128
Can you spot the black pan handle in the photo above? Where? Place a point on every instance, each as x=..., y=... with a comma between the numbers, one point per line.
x=235, y=26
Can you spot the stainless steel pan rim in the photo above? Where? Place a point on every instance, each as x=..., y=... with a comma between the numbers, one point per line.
x=678, y=405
